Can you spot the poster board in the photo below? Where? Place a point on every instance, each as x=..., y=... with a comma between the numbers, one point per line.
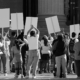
x=55, y=23
x=30, y=21
x=49, y=25
x=27, y=25
x=20, y=21
x=72, y=29
x=4, y=17
x=77, y=29
x=34, y=21
x=17, y=21
x=14, y=25
x=52, y=24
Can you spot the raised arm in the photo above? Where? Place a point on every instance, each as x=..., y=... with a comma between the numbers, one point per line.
x=29, y=30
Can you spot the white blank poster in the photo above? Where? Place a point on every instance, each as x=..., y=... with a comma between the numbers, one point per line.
x=56, y=24
x=72, y=29
x=34, y=21
x=20, y=21
x=14, y=25
x=4, y=17
x=77, y=29
x=49, y=25
x=27, y=25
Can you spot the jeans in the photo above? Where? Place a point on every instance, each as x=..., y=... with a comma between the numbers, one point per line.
x=61, y=61
x=3, y=59
x=33, y=58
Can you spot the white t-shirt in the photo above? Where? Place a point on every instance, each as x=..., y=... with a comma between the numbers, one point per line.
x=1, y=45
x=33, y=42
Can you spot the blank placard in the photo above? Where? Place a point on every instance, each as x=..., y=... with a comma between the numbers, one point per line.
x=4, y=17
x=72, y=29
x=77, y=29
x=14, y=25
x=55, y=23
x=20, y=21
x=49, y=25
x=27, y=25
x=34, y=21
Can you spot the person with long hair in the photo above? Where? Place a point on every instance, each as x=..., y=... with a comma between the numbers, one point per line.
x=45, y=53
x=76, y=49
x=17, y=58
x=60, y=56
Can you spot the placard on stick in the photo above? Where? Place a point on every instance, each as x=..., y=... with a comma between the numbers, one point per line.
x=30, y=21
x=77, y=29
x=34, y=21
x=14, y=25
x=49, y=25
x=55, y=23
x=72, y=29
x=4, y=17
x=27, y=25
x=17, y=21
x=20, y=21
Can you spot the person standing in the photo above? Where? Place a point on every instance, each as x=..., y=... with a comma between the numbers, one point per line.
x=17, y=58
x=76, y=49
x=33, y=57
x=60, y=56
x=73, y=40
x=2, y=55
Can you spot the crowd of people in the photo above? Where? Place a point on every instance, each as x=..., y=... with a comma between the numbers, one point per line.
x=58, y=53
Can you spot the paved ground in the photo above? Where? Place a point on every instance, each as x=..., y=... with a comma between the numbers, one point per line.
x=46, y=76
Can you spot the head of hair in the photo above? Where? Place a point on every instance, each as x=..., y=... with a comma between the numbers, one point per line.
x=79, y=36
x=60, y=37
x=17, y=44
x=21, y=36
x=73, y=34
x=45, y=39
x=32, y=33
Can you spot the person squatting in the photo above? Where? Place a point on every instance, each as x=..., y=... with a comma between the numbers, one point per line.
x=57, y=53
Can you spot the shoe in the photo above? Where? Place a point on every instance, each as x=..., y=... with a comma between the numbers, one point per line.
x=22, y=76
x=16, y=76
x=26, y=77
x=33, y=76
x=5, y=74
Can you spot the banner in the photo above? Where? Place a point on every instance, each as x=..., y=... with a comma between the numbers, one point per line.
x=49, y=25
x=55, y=23
x=4, y=17
x=14, y=25
x=17, y=21
x=30, y=21
x=52, y=24
x=75, y=28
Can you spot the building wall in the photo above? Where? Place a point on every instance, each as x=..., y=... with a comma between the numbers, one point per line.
x=14, y=5
x=55, y=7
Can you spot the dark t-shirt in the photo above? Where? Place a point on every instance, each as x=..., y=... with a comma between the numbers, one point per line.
x=60, y=48
x=24, y=49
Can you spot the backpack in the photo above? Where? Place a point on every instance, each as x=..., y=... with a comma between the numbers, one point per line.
x=71, y=45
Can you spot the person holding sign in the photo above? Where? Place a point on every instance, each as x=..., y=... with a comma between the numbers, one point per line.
x=2, y=55
x=76, y=49
x=33, y=57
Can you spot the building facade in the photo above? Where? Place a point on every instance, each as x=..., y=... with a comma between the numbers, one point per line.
x=42, y=9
